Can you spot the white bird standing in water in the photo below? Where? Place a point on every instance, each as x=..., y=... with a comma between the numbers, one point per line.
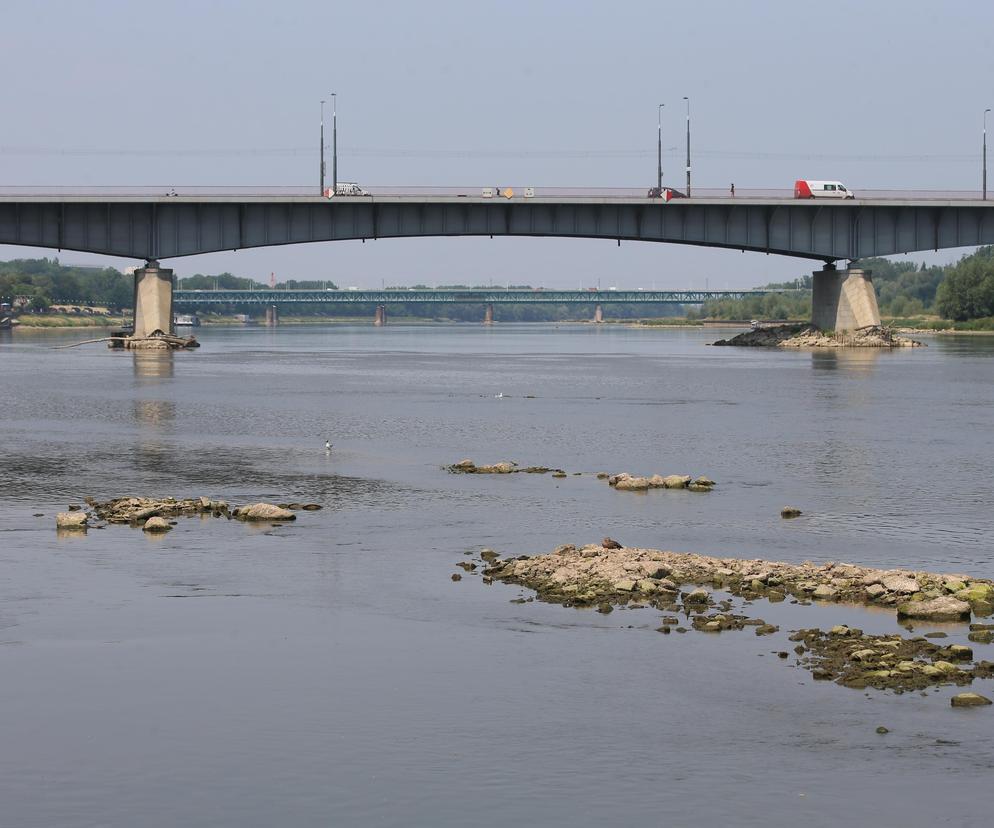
x=327, y=445
x=499, y=396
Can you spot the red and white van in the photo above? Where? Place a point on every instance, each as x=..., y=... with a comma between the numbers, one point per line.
x=821, y=189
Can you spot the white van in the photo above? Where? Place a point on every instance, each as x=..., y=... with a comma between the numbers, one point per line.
x=821, y=189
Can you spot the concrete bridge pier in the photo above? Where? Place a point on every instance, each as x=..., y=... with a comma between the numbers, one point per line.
x=153, y=300
x=843, y=300
x=488, y=315
x=598, y=314
x=381, y=316
x=272, y=316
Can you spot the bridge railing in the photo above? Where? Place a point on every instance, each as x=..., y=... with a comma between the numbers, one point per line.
x=519, y=193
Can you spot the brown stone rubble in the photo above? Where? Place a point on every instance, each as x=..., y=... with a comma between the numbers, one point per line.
x=599, y=576
x=808, y=336
x=151, y=514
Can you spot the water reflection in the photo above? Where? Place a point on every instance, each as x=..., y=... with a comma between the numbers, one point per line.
x=854, y=360
x=150, y=368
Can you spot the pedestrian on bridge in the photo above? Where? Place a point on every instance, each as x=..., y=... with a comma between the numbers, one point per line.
x=733, y=189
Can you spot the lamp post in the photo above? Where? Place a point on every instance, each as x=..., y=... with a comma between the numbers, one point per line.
x=322, y=149
x=688, y=144
x=659, y=148
x=334, y=142
x=985, y=153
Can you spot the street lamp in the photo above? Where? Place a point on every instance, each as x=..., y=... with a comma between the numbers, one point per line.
x=659, y=148
x=334, y=142
x=985, y=153
x=688, y=144
x=322, y=149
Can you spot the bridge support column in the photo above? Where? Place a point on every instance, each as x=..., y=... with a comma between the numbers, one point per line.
x=153, y=300
x=488, y=315
x=598, y=314
x=272, y=316
x=843, y=300
x=381, y=316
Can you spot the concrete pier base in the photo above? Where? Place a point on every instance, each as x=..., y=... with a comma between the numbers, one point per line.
x=381, y=316
x=153, y=300
x=598, y=314
x=272, y=316
x=488, y=315
x=843, y=300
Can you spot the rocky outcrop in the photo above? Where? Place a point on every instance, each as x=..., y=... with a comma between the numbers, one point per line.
x=808, y=336
x=625, y=482
x=587, y=575
x=854, y=659
x=504, y=467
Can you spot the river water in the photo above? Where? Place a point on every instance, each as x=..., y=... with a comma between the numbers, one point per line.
x=330, y=672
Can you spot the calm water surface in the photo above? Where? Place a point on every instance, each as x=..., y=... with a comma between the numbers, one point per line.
x=330, y=672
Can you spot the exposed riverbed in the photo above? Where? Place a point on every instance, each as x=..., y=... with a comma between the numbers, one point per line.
x=329, y=671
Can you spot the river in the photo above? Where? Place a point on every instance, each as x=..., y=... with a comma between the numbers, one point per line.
x=330, y=672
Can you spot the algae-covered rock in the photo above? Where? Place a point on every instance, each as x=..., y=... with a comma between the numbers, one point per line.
x=790, y=512
x=978, y=595
x=824, y=592
x=969, y=700
x=946, y=608
x=676, y=481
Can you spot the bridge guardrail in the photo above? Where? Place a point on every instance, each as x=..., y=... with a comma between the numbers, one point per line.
x=427, y=192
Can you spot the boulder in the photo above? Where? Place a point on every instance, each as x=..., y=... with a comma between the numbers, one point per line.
x=697, y=596
x=875, y=591
x=790, y=512
x=704, y=481
x=264, y=511
x=823, y=592
x=698, y=487
x=946, y=608
x=901, y=584
x=625, y=585
x=632, y=484
x=156, y=524
x=676, y=481
x=969, y=700
x=71, y=520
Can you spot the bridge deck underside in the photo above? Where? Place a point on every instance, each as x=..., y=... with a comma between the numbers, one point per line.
x=165, y=229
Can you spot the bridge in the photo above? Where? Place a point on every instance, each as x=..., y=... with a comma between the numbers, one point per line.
x=274, y=299
x=491, y=296
x=159, y=223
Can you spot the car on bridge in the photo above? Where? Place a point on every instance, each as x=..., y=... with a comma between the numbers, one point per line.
x=665, y=193
x=804, y=188
x=345, y=188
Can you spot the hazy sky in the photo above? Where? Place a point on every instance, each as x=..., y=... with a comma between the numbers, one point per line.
x=877, y=93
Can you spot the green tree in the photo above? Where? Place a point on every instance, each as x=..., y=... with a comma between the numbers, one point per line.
x=968, y=289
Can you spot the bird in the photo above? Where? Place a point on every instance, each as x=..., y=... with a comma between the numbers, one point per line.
x=610, y=543
x=327, y=445
x=499, y=396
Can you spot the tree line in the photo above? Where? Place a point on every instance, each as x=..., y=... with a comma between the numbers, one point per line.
x=962, y=291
